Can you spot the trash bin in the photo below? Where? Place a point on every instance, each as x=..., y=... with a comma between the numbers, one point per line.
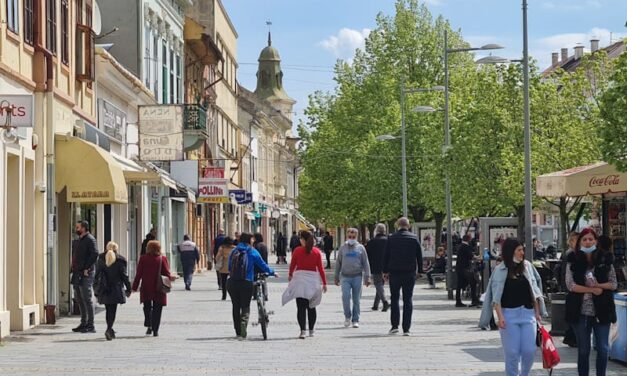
x=618, y=332
x=558, y=314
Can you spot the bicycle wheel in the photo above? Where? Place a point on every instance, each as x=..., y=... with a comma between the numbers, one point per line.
x=263, y=317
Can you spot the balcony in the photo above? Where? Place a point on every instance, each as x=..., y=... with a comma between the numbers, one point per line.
x=195, y=127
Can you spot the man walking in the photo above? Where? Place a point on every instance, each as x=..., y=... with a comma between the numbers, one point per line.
x=465, y=273
x=84, y=256
x=402, y=264
x=375, y=250
x=217, y=242
x=327, y=244
x=294, y=241
x=190, y=256
x=152, y=235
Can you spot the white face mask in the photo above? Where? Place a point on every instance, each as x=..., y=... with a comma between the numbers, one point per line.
x=517, y=260
x=351, y=241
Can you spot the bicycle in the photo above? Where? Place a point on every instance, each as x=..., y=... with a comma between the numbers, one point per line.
x=261, y=295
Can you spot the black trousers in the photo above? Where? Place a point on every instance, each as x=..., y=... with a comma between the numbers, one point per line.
x=222, y=282
x=152, y=315
x=111, y=310
x=241, y=293
x=402, y=281
x=328, y=254
x=464, y=279
x=304, y=312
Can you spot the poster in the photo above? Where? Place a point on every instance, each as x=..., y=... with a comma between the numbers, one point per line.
x=427, y=241
x=498, y=236
x=161, y=133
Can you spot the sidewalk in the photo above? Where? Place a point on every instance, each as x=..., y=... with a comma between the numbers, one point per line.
x=197, y=338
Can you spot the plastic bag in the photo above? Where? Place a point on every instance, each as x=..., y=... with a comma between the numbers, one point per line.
x=550, y=355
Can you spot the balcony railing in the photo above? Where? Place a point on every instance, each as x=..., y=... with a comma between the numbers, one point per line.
x=194, y=118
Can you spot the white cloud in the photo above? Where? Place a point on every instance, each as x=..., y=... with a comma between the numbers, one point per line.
x=434, y=2
x=344, y=44
x=570, y=5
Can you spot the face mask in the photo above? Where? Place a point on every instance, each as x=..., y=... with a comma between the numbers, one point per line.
x=351, y=241
x=589, y=249
x=516, y=261
x=79, y=232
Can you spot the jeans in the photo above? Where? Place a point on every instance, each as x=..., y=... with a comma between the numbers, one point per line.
x=222, y=282
x=430, y=274
x=305, y=313
x=519, y=340
x=377, y=280
x=111, y=310
x=328, y=255
x=83, y=293
x=241, y=293
x=583, y=329
x=188, y=272
x=406, y=282
x=351, y=286
x=152, y=315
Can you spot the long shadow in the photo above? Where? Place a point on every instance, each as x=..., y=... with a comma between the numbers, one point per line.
x=211, y=339
x=362, y=336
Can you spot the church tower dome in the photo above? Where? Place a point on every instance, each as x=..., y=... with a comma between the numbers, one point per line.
x=270, y=80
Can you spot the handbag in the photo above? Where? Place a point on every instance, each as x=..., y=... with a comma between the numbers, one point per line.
x=550, y=355
x=164, y=285
x=219, y=262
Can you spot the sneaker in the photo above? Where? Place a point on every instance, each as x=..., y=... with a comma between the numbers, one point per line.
x=302, y=334
x=347, y=323
x=355, y=325
x=148, y=331
x=311, y=333
x=386, y=305
x=88, y=329
x=394, y=330
x=374, y=308
x=78, y=328
x=460, y=305
x=406, y=334
x=187, y=287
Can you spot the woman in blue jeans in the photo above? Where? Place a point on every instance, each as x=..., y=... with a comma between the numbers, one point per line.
x=351, y=269
x=591, y=279
x=515, y=293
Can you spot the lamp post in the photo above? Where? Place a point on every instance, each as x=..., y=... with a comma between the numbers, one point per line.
x=527, y=125
x=447, y=146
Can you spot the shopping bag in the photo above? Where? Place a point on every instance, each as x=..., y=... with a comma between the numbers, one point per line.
x=550, y=356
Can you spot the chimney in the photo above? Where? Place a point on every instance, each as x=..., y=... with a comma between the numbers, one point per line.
x=564, y=54
x=554, y=58
x=594, y=45
x=578, y=52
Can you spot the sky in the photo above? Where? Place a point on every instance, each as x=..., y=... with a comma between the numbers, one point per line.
x=311, y=35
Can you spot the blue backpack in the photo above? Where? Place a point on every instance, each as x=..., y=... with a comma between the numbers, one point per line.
x=239, y=264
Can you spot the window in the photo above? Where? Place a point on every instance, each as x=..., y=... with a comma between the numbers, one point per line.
x=147, y=56
x=79, y=12
x=51, y=26
x=178, y=78
x=85, y=53
x=164, y=72
x=65, y=32
x=155, y=64
x=88, y=15
x=29, y=22
x=172, y=75
x=13, y=19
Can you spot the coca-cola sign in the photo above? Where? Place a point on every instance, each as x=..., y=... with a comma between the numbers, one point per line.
x=604, y=181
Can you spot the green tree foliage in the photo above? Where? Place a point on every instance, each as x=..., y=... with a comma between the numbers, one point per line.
x=613, y=133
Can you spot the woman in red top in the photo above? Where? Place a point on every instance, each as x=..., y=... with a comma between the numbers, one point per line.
x=307, y=257
x=147, y=273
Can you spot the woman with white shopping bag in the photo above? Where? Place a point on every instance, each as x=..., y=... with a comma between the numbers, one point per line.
x=515, y=293
x=307, y=282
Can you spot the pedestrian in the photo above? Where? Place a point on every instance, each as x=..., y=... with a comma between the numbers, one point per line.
x=465, y=273
x=351, y=270
x=222, y=262
x=112, y=286
x=294, y=241
x=514, y=291
x=591, y=281
x=569, y=336
x=262, y=248
x=375, y=248
x=150, y=268
x=190, y=256
x=217, y=242
x=327, y=242
x=402, y=265
x=307, y=282
x=152, y=235
x=84, y=256
x=281, y=244
x=439, y=266
x=242, y=262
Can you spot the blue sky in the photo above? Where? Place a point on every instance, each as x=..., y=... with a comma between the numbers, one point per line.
x=312, y=34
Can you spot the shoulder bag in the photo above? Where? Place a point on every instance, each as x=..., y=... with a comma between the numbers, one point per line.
x=164, y=285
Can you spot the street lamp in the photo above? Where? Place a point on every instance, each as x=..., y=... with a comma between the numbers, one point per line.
x=447, y=146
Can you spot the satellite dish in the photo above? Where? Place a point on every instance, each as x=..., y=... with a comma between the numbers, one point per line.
x=96, y=19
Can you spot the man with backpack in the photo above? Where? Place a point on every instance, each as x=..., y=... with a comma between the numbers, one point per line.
x=242, y=262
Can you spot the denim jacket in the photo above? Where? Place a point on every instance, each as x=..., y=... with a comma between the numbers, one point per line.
x=494, y=291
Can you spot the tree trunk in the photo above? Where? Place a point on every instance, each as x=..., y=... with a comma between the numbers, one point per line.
x=418, y=213
x=363, y=228
x=582, y=207
x=439, y=220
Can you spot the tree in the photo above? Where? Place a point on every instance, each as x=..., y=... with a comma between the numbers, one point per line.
x=613, y=103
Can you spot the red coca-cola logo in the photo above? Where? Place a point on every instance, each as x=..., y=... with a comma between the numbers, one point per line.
x=604, y=181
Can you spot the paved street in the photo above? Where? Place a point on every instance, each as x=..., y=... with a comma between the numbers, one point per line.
x=197, y=338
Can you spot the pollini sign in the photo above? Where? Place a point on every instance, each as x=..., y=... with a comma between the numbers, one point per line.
x=604, y=181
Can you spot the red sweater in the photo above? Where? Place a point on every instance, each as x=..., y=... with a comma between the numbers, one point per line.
x=301, y=260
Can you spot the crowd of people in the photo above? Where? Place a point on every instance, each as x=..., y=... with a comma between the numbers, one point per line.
x=513, y=294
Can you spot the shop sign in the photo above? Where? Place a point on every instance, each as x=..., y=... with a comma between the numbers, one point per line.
x=213, y=191
x=21, y=108
x=604, y=181
x=241, y=196
x=89, y=194
x=213, y=172
x=112, y=120
x=161, y=133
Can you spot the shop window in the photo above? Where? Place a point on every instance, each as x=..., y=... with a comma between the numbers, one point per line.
x=51, y=26
x=65, y=32
x=29, y=22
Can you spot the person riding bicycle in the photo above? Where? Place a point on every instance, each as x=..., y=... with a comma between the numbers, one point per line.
x=242, y=262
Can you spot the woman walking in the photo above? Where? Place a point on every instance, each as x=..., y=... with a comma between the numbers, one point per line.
x=113, y=286
x=351, y=269
x=515, y=293
x=307, y=282
x=281, y=251
x=152, y=266
x=590, y=279
x=222, y=262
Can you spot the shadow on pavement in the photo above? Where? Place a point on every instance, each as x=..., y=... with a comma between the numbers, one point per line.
x=485, y=354
x=361, y=336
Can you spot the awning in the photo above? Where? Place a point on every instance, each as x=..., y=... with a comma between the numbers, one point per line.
x=144, y=172
x=595, y=179
x=158, y=175
x=304, y=224
x=89, y=173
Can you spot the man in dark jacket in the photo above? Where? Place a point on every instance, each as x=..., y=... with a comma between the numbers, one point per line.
x=465, y=273
x=152, y=235
x=190, y=256
x=84, y=256
x=375, y=250
x=294, y=241
x=402, y=264
x=327, y=245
